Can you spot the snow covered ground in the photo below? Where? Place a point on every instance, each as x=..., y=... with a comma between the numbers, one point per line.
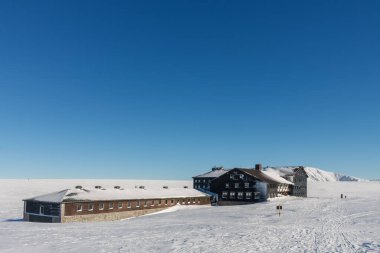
x=321, y=223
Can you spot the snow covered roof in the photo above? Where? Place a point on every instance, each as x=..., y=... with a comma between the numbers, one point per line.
x=274, y=176
x=213, y=173
x=72, y=195
x=267, y=178
x=54, y=197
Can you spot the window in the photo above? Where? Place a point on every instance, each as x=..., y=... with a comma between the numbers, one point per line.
x=227, y=185
x=120, y=205
x=232, y=195
x=204, y=180
x=42, y=210
x=246, y=185
x=236, y=185
x=224, y=195
x=257, y=195
x=188, y=201
x=172, y=201
x=145, y=203
x=90, y=207
x=79, y=208
x=129, y=204
x=101, y=206
x=166, y=202
x=177, y=201
x=241, y=176
x=232, y=176
x=137, y=203
x=159, y=202
x=248, y=195
x=110, y=206
x=199, y=201
x=183, y=202
x=240, y=195
x=152, y=203
x=193, y=201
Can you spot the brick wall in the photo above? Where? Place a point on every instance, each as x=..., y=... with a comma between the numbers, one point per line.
x=84, y=208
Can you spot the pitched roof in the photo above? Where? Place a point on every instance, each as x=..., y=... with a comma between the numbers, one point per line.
x=265, y=177
x=213, y=173
x=287, y=170
x=72, y=195
x=259, y=175
x=276, y=177
x=54, y=197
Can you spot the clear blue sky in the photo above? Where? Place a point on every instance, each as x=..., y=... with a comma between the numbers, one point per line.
x=167, y=89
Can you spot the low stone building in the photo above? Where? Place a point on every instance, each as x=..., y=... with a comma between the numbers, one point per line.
x=100, y=204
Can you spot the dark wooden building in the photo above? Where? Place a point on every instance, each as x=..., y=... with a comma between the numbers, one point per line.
x=203, y=181
x=246, y=186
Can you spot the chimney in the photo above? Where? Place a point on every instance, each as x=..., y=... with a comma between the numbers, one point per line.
x=217, y=168
x=258, y=167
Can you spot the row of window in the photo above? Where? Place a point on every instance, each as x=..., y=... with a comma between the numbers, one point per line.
x=236, y=176
x=240, y=195
x=300, y=179
x=200, y=180
x=202, y=187
x=138, y=203
x=237, y=185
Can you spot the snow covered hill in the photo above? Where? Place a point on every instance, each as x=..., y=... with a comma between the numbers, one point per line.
x=317, y=175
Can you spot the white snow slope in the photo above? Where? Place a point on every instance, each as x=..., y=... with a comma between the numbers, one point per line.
x=318, y=175
x=321, y=223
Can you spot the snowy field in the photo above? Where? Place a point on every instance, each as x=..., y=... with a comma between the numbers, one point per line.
x=321, y=223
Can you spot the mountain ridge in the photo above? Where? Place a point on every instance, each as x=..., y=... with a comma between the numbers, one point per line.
x=317, y=175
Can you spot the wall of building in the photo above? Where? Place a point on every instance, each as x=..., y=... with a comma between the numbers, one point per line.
x=110, y=216
x=41, y=218
x=202, y=183
x=236, y=186
x=114, y=210
x=300, y=186
x=37, y=211
x=262, y=187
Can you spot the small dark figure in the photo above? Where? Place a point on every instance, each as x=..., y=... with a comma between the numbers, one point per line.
x=341, y=196
x=345, y=197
